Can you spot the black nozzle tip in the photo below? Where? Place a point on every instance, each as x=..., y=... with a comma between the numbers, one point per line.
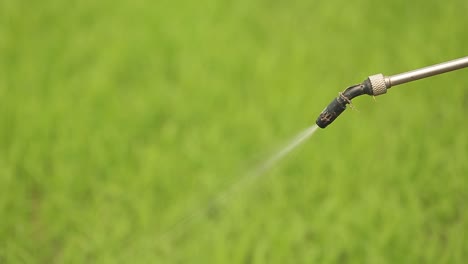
x=329, y=114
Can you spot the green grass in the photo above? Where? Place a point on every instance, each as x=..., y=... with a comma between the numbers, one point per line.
x=119, y=118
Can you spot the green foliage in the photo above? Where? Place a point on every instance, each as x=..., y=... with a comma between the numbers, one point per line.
x=120, y=118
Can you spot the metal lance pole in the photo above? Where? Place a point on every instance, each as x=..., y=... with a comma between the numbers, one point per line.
x=379, y=84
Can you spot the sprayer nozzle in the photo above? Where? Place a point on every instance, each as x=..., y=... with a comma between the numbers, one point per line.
x=338, y=105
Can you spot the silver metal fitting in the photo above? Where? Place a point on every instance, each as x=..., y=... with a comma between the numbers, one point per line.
x=378, y=84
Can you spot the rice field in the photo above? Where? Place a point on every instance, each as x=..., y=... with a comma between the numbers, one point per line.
x=121, y=121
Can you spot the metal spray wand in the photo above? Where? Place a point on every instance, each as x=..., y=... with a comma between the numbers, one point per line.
x=379, y=84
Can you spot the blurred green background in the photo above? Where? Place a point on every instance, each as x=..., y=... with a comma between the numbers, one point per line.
x=119, y=118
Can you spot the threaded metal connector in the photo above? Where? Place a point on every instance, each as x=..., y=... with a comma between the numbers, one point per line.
x=378, y=84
